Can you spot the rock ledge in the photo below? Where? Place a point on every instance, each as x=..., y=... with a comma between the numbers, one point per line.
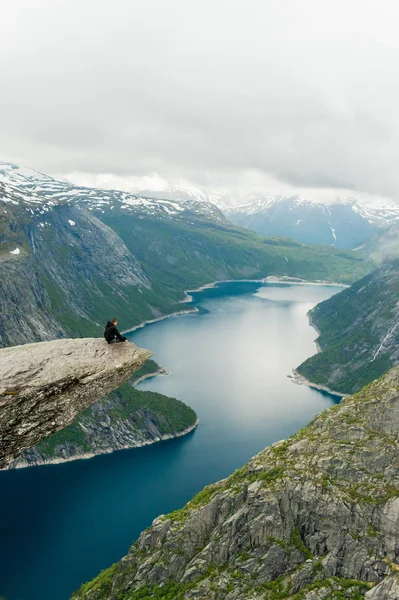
x=43, y=386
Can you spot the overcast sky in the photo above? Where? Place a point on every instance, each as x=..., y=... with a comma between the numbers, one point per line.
x=242, y=95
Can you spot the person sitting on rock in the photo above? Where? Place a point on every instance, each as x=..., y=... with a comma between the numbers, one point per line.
x=112, y=334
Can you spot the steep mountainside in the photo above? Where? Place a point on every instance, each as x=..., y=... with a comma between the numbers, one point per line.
x=71, y=257
x=345, y=223
x=127, y=418
x=359, y=332
x=314, y=517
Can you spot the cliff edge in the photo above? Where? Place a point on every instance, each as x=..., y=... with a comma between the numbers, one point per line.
x=43, y=386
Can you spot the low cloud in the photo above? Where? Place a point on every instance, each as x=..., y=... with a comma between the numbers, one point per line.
x=233, y=95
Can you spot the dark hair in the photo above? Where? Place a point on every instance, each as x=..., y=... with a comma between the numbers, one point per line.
x=114, y=320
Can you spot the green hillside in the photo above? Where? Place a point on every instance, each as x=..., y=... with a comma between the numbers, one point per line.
x=134, y=265
x=359, y=339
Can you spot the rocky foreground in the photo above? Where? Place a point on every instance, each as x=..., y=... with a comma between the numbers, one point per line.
x=310, y=518
x=43, y=386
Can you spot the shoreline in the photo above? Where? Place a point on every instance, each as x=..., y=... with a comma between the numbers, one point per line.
x=268, y=279
x=161, y=371
x=312, y=324
x=302, y=380
x=296, y=281
x=188, y=298
x=299, y=379
x=177, y=313
x=88, y=455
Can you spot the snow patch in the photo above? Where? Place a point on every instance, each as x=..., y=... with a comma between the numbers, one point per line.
x=16, y=251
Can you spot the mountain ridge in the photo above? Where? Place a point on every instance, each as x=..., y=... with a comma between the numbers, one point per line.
x=343, y=222
x=314, y=517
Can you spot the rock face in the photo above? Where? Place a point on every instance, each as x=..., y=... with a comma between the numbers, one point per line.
x=73, y=277
x=359, y=332
x=126, y=418
x=315, y=517
x=344, y=224
x=43, y=386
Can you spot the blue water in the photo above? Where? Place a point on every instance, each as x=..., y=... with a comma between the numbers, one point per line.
x=61, y=524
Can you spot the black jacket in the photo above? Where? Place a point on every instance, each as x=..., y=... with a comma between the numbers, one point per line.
x=111, y=333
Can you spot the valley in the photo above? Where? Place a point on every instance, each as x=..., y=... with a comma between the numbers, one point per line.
x=81, y=253
x=199, y=300
x=229, y=362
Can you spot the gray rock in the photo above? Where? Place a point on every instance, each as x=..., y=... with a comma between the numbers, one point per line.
x=317, y=514
x=43, y=386
x=102, y=434
x=388, y=589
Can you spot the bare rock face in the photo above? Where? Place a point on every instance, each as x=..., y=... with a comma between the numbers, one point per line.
x=43, y=386
x=388, y=589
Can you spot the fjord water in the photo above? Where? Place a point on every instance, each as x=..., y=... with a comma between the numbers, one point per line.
x=61, y=524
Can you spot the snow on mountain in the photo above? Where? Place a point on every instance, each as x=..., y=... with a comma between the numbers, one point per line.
x=184, y=192
x=381, y=213
x=39, y=193
x=342, y=222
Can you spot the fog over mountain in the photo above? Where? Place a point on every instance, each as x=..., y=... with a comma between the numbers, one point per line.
x=232, y=97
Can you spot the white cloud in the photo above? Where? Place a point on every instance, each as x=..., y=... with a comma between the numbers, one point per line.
x=232, y=94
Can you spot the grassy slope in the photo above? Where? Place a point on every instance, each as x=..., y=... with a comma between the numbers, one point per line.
x=177, y=255
x=67, y=277
x=352, y=325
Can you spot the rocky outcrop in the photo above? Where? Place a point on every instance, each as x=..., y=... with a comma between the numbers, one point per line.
x=358, y=333
x=315, y=517
x=43, y=386
x=126, y=418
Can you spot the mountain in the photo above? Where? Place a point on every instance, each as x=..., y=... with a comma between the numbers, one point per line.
x=39, y=193
x=314, y=517
x=73, y=256
x=358, y=332
x=345, y=223
x=222, y=199
x=126, y=418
